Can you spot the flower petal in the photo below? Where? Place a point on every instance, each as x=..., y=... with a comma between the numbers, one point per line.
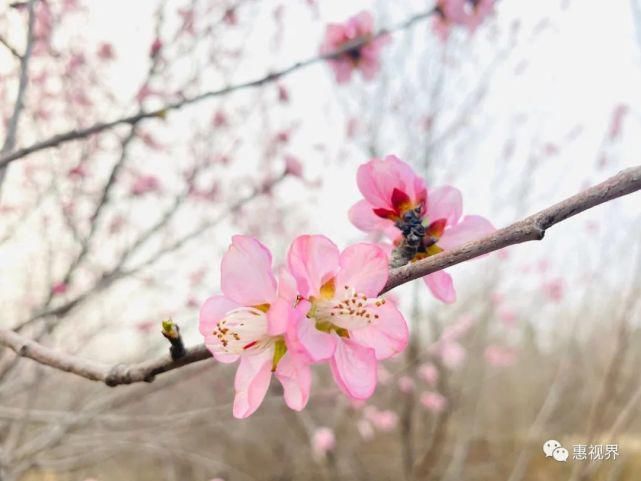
x=354, y=369
x=442, y=286
x=471, y=227
x=364, y=268
x=251, y=382
x=363, y=217
x=313, y=260
x=278, y=317
x=296, y=377
x=445, y=202
x=387, y=336
x=318, y=345
x=378, y=178
x=246, y=272
x=212, y=311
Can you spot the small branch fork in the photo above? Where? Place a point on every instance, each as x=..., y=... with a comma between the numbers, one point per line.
x=528, y=229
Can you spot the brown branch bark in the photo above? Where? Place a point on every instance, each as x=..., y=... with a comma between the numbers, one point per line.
x=77, y=134
x=530, y=228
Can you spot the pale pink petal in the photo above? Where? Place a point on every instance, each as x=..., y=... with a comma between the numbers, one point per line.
x=442, y=286
x=318, y=345
x=313, y=260
x=296, y=377
x=388, y=335
x=225, y=358
x=246, y=272
x=287, y=286
x=362, y=216
x=251, y=382
x=278, y=317
x=378, y=178
x=364, y=268
x=354, y=369
x=212, y=311
x=445, y=202
x=471, y=227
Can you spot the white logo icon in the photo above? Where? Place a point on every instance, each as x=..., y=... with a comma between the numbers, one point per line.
x=550, y=446
x=560, y=454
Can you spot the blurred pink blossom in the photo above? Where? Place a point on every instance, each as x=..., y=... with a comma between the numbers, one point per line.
x=616, y=124
x=433, y=401
x=452, y=354
x=554, y=289
x=106, y=51
x=405, y=384
x=364, y=58
x=59, y=288
x=323, y=441
x=144, y=184
x=429, y=373
x=365, y=429
x=500, y=356
x=293, y=166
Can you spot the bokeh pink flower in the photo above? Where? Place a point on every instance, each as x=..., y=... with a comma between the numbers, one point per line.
x=364, y=57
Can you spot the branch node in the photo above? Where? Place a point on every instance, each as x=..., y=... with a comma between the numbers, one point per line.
x=171, y=331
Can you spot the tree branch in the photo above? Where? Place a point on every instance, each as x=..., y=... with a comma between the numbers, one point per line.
x=23, y=82
x=76, y=134
x=528, y=229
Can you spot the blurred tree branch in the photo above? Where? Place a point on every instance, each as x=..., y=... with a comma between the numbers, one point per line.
x=8, y=156
x=530, y=228
x=23, y=82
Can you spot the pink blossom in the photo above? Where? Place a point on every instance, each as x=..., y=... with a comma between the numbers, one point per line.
x=364, y=57
x=616, y=124
x=433, y=401
x=293, y=166
x=249, y=322
x=452, y=354
x=155, y=47
x=383, y=420
x=365, y=429
x=394, y=197
x=405, y=384
x=145, y=184
x=466, y=13
x=429, y=373
x=507, y=316
x=323, y=441
x=77, y=172
x=499, y=356
x=346, y=323
x=59, y=288
x=219, y=119
x=554, y=289
x=106, y=51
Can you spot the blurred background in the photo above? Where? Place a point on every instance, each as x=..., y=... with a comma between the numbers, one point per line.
x=103, y=237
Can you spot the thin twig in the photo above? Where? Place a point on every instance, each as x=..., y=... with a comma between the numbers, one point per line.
x=530, y=228
x=12, y=129
x=161, y=112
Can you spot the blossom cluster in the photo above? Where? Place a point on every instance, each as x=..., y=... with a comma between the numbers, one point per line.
x=324, y=305
x=354, y=45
